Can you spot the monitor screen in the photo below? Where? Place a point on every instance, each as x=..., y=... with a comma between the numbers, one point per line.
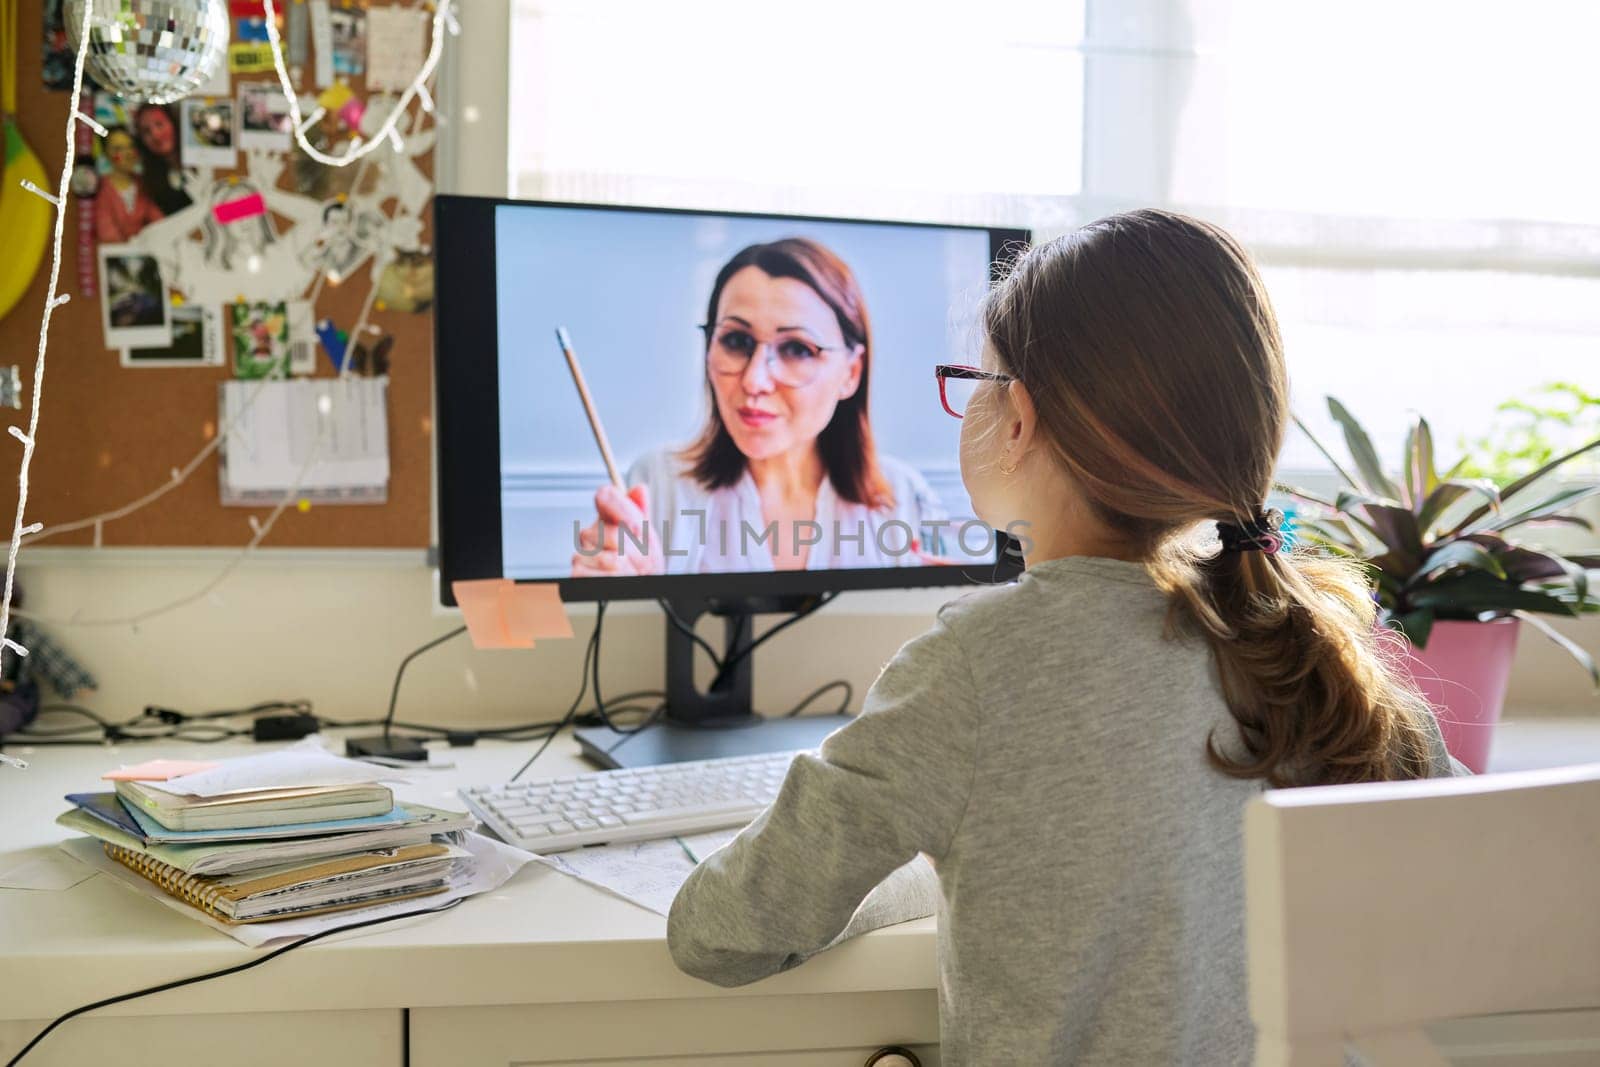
x=765, y=385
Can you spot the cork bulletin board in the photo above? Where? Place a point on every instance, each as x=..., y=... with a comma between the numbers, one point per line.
x=109, y=434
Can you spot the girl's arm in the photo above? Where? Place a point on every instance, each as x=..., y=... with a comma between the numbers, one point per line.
x=890, y=785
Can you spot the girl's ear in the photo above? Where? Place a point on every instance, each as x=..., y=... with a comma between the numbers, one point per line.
x=1021, y=421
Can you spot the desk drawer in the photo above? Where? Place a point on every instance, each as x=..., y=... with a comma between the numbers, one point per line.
x=825, y=1030
x=259, y=1039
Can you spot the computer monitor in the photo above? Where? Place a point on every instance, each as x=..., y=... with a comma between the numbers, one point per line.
x=765, y=385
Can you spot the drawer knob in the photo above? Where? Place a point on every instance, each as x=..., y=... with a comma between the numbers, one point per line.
x=893, y=1056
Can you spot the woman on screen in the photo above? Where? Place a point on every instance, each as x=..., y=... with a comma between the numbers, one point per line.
x=784, y=474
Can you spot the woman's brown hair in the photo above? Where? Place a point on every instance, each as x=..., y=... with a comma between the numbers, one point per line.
x=1152, y=355
x=845, y=445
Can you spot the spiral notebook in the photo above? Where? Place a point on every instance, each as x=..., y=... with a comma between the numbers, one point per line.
x=307, y=889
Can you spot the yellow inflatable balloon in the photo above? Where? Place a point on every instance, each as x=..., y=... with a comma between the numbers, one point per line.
x=25, y=219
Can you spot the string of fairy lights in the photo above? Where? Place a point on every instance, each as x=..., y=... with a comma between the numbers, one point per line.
x=387, y=134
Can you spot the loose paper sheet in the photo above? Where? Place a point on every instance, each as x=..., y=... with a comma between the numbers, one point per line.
x=303, y=763
x=41, y=868
x=647, y=873
x=272, y=436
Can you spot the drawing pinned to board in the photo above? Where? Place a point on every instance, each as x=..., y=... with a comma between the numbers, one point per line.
x=196, y=341
x=260, y=340
x=351, y=231
x=133, y=298
x=216, y=251
x=263, y=117
x=349, y=28
x=207, y=133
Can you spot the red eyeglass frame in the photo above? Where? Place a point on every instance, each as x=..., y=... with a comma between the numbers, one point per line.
x=946, y=371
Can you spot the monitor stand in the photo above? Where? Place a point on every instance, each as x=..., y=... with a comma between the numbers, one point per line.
x=715, y=722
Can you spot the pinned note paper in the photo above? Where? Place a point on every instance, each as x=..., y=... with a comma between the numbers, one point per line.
x=502, y=614
x=158, y=770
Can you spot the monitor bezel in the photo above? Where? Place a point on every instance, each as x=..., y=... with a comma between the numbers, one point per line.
x=467, y=422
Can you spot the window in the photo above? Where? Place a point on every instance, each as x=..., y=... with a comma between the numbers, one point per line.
x=1415, y=179
x=829, y=106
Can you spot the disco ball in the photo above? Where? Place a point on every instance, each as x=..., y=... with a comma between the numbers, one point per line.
x=151, y=51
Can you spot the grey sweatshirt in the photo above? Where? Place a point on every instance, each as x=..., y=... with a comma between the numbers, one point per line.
x=1044, y=746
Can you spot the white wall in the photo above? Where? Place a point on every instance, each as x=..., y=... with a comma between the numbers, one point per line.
x=332, y=627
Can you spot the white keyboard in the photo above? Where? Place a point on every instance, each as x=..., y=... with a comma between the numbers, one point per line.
x=630, y=805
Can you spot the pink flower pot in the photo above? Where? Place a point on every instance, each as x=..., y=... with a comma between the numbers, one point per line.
x=1463, y=672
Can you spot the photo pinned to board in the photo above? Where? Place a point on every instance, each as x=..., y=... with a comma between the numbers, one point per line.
x=349, y=26
x=273, y=340
x=137, y=176
x=406, y=282
x=260, y=339
x=196, y=340
x=133, y=299
x=207, y=133
x=264, y=120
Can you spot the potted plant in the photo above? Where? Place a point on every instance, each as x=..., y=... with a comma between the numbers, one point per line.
x=1452, y=571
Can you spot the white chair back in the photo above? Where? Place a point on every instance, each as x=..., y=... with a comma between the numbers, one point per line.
x=1377, y=911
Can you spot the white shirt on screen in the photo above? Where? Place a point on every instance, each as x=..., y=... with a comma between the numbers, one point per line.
x=721, y=530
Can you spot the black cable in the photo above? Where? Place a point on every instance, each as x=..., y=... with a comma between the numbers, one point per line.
x=844, y=705
x=734, y=659
x=677, y=623
x=583, y=687
x=274, y=954
x=75, y=709
x=600, y=703
x=394, y=694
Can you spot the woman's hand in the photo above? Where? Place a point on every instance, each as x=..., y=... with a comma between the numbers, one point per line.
x=602, y=554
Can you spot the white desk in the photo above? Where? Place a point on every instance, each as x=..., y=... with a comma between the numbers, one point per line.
x=546, y=970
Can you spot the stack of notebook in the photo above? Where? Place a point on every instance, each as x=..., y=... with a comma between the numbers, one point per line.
x=294, y=833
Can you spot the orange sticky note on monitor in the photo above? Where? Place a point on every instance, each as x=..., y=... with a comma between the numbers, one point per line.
x=502, y=614
x=535, y=611
x=157, y=770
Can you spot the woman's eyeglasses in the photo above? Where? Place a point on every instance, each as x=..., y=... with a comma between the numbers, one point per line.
x=957, y=383
x=792, y=360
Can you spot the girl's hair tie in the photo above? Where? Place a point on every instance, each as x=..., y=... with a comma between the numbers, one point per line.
x=1260, y=534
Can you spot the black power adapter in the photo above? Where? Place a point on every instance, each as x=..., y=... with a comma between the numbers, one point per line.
x=283, y=727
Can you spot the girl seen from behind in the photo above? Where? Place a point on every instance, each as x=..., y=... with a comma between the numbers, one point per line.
x=1074, y=752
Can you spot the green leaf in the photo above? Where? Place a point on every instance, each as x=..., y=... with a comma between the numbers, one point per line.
x=1466, y=554
x=1420, y=473
x=1416, y=625
x=1577, y=651
x=1361, y=450
x=1523, y=564
x=1472, y=594
x=1325, y=453
x=1546, y=508
x=1397, y=528
x=1528, y=479
x=1450, y=490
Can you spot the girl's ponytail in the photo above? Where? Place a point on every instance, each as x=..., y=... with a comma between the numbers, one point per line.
x=1302, y=667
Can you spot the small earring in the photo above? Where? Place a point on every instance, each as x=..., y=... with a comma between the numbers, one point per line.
x=1008, y=470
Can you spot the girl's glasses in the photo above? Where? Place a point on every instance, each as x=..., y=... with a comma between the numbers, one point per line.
x=792, y=360
x=957, y=383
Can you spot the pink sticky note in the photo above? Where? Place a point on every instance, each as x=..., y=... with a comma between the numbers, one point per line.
x=240, y=207
x=157, y=770
x=486, y=622
x=535, y=611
